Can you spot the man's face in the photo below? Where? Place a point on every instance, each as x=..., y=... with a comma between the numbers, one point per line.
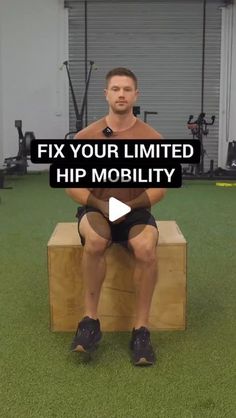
x=121, y=94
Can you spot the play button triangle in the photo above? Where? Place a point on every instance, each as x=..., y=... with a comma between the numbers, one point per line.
x=117, y=209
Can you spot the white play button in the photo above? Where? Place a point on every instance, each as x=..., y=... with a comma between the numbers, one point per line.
x=117, y=209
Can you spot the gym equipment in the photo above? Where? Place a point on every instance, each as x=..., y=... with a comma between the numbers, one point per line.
x=226, y=184
x=231, y=156
x=2, y=180
x=146, y=113
x=79, y=115
x=18, y=164
x=199, y=130
x=117, y=304
x=136, y=110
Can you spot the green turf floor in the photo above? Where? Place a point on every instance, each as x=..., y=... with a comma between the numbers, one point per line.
x=195, y=375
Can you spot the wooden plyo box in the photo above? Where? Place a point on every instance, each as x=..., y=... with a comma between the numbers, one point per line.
x=116, y=309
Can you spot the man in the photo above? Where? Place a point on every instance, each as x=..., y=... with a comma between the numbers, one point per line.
x=137, y=229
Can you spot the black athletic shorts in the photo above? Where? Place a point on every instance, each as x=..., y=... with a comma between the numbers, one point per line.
x=120, y=231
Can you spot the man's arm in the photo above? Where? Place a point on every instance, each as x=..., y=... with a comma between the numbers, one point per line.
x=79, y=195
x=84, y=197
x=147, y=198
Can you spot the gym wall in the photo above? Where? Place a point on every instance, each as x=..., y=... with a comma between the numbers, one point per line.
x=34, y=43
x=161, y=42
x=232, y=110
x=227, y=128
x=1, y=98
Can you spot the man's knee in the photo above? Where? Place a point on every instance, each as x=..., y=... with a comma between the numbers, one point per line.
x=95, y=245
x=144, y=246
x=95, y=242
x=144, y=251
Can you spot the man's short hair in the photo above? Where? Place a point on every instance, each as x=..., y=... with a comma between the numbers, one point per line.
x=123, y=72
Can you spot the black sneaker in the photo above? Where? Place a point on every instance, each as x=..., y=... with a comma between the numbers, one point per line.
x=87, y=335
x=140, y=344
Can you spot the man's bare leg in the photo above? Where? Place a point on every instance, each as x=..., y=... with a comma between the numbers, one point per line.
x=93, y=263
x=145, y=272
